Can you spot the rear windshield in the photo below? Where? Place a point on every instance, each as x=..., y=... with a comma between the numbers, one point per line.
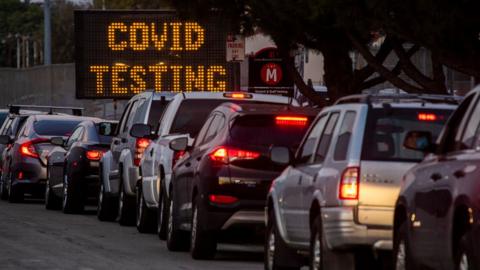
x=265, y=130
x=156, y=111
x=193, y=113
x=106, y=131
x=386, y=130
x=55, y=127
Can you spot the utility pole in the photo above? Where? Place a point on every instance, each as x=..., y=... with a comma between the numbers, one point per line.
x=47, y=48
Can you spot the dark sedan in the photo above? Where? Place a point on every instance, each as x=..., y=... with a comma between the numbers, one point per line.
x=73, y=166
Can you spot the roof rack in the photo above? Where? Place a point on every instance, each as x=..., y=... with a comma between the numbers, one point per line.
x=15, y=109
x=399, y=98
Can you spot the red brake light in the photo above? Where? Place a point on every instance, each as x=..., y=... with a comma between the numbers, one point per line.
x=94, y=155
x=27, y=149
x=291, y=121
x=427, y=117
x=141, y=144
x=349, y=184
x=222, y=199
x=237, y=95
x=227, y=155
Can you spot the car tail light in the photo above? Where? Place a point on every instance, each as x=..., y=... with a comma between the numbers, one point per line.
x=176, y=156
x=222, y=199
x=349, y=184
x=227, y=155
x=427, y=117
x=94, y=155
x=140, y=146
x=291, y=121
x=27, y=149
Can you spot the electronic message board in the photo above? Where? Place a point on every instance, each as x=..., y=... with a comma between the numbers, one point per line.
x=121, y=53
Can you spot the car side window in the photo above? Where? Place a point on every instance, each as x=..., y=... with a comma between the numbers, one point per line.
x=215, y=126
x=471, y=129
x=203, y=130
x=131, y=117
x=124, y=117
x=141, y=111
x=326, y=138
x=343, y=140
x=6, y=126
x=450, y=140
x=307, y=149
x=76, y=135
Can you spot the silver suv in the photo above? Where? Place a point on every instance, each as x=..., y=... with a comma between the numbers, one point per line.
x=338, y=193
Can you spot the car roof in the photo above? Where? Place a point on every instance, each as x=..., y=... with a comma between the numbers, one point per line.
x=63, y=117
x=249, y=109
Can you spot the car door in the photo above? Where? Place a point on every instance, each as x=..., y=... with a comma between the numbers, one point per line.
x=309, y=172
x=433, y=198
x=184, y=172
x=290, y=201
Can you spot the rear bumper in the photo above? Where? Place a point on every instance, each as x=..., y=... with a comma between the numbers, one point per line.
x=342, y=232
x=241, y=214
x=30, y=176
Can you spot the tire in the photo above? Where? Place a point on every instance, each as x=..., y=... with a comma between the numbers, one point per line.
x=203, y=244
x=177, y=240
x=72, y=200
x=464, y=257
x=321, y=258
x=3, y=190
x=126, y=206
x=15, y=194
x=107, y=207
x=52, y=202
x=162, y=216
x=146, y=219
x=402, y=258
x=277, y=256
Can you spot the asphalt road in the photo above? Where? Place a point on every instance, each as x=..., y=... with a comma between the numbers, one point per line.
x=34, y=238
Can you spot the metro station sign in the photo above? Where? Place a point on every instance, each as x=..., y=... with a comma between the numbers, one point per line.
x=122, y=53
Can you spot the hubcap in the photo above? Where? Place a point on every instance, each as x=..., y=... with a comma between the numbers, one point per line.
x=160, y=210
x=65, y=191
x=47, y=191
x=120, y=202
x=194, y=226
x=463, y=262
x=100, y=198
x=271, y=249
x=401, y=256
x=317, y=253
x=170, y=220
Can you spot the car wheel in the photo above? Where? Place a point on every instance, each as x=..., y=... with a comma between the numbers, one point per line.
x=177, y=240
x=145, y=218
x=107, y=207
x=275, y=250
x=72, y=202
x=126, y=207
x=203, y=244
x=162, y=216
x=15, y=194
x=321, y=258
x=52, y=202
x=464, y=258
x=3, y=190
x=401, y=251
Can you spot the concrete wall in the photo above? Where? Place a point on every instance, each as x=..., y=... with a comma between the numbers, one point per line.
x=52, y=85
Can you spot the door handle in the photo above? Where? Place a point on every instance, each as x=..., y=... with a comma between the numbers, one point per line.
x=436, y=176
x=459, y=174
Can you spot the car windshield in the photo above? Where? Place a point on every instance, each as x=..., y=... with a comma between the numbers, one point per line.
x=55, y=127
x=106, y=131
x=387, y=128
x=156, y=111
x=268, y=130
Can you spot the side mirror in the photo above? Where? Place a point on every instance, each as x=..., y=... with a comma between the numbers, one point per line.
x=179, y=144
x=5, y=139
x=281, y=155
x=57, y=141
x=419, y=141
x=141, y=131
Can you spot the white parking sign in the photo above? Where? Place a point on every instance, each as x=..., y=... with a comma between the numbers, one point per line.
x=235, y=48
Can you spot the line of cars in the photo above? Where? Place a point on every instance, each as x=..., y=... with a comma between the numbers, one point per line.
x=319, y=186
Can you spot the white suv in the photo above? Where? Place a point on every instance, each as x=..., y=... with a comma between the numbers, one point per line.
x=185, y=115
x=119, y=166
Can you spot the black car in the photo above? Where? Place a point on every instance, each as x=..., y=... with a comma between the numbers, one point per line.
x=222, y=181
x=437, y=214
x=24, y=167
x=73, y=167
